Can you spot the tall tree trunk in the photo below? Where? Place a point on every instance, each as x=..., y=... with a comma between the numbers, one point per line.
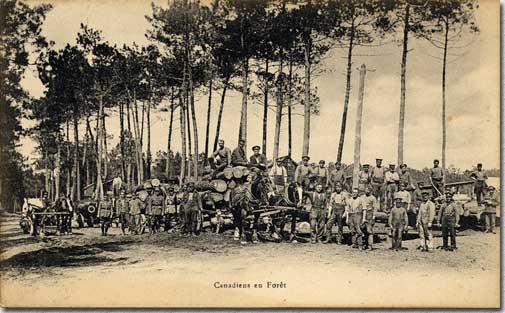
x=105, y=158
x=265, y=112
x=220, y=114
x=290, y=97
x=121, y=139
x=278, y=115
x=306, y=118
x=243, y=115
x=182, y=121
x=359, y=115
x=148, y=154
x=347, y=93
x=207, y=129
x=170, y=127
x=57, y=172
x=195, y=128
x=188, y=128
x=77, y=178
x=444, y=122
x=138, y=142
x=401, y=123
x=47, y=171
x=99, y=180
x=68, y=191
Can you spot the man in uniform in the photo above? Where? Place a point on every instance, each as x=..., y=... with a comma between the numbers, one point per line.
x=448, y=215
x=171, y=208
x=490, y=203
x=318, y=200
x=221, y=157
x=322, y=174
x=303, y=173
x=406, y=201
x=480, y=183
x=371, y=206
x=336, y=213
x=392, y=180
x=425, y=217
x=398, y=222
x=354, y=213
x=258, y=159
x=243, y=202
x=364, y=178
x=136, y=207
x=192, y=207
x=123, y=209
x=378, y=178
x=436, y=179
x=156, y=209
x=105, y=208
x=64, y=219
x=279, y=176
x=337, y=176
x=238, y=156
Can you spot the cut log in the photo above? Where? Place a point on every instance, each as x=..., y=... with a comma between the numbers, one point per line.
x=228, y=173
x=232, y=184
x=204, y=186
x=217, y=197
x=219, y=185
x=238, y=172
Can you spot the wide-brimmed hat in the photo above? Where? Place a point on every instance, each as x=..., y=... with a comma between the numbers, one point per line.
x=254, y=148
x=305, y=157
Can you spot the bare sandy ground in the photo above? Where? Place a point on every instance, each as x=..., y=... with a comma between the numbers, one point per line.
x=167, y=270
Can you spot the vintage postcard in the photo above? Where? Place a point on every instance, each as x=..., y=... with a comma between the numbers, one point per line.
x=250, y=154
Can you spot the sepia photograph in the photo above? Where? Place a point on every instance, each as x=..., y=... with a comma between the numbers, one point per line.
x=250, y=154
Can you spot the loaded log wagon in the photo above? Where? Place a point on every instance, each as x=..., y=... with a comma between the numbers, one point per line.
x=39, y=220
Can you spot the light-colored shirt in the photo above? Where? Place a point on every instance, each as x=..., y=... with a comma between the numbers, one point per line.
x=302, y=171
x=436, y=173
x=404, y=195
x=392, y=177
x=336, y=176
x=426, y=212
x=355, y=205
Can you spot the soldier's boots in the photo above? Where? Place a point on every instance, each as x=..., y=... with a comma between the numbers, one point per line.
x=255, y=236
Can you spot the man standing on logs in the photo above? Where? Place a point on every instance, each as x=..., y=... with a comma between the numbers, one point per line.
x=436, y=179
x=303, y=173
x=337, y=176
x=258, y=159
x=364, y=179
x=238, y=156
x=378, y=177
x=480, y=183
x=279, y=176
x=322, y=173
x=392, y=180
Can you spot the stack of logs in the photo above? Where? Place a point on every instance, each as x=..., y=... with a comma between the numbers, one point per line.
x=223, y=182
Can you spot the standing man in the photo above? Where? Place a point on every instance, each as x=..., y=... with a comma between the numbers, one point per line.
x=449, y=216
x=371, y=206
x=364, y=178
x=221, y=157
x=354, y=212
x=136, y=207
x=337, y=176
x=303, y=173
x=437, y=179
x=192, y=207
x=480, y=183
x=336, y=213
x=156, y=206
x=425, y=218
x=279, y=176
x=238, y=156
x=123, y=209
x=490, y=203
x=318, y=200
x=258, y=159
x=171, y=208
x=406, y=201
x=392, y=180
x=105, y=208
x=322, y=174
x=398, y=223
x=404, y=176
x=378, y=179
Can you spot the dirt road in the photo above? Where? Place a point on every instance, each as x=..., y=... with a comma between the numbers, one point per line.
x=86, y=269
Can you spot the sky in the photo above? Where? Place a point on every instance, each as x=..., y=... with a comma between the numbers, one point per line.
x=472, y=93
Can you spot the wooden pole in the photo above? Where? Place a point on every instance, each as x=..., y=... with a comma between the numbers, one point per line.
x=359, y=115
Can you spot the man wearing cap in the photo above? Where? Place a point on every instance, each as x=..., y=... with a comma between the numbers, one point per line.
x=437, y=179
x=322, y=173
x=337, y=176
x=491, y=203
x=480, y=183
x=448, y=215
x=398, y=222
x=258, y=159
x=222, y=156
x=238, y=156
x=155, y=209
x=354, y=213
x=279, y=176
x=192, y=207
x=105, y=208
x=364, y=178
x=136, y=207
x=123, y=209
x=171, y=208
x=303, y=173
x=425, y=218
x=336, y=210
x=377, y=182
x=392, y=180
x=404, y=195
x=318, y=212
x=405, y=177
x=371, y=206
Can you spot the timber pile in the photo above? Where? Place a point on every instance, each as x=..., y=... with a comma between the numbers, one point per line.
x=219, y=188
